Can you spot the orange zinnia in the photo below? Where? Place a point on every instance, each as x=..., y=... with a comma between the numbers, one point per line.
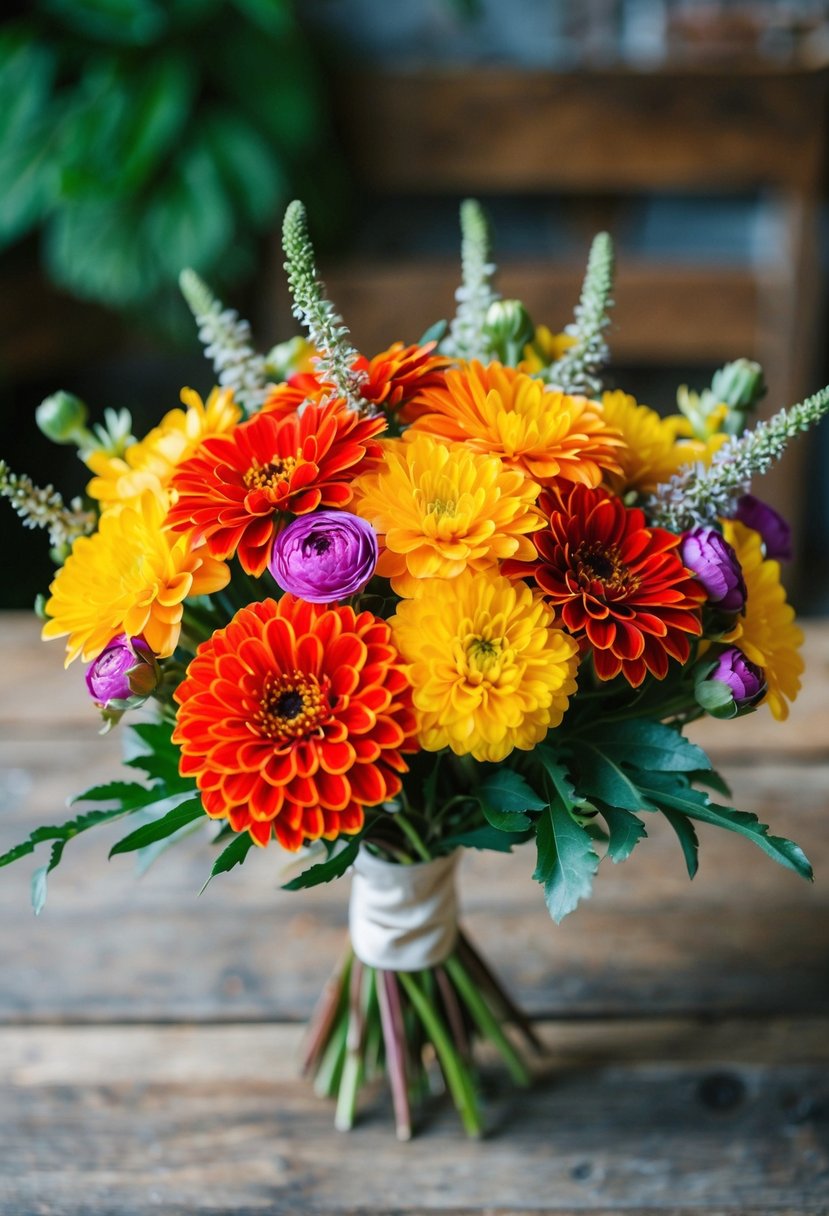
x=617, y=585
x=235, y=491
x=503, y=412
x=294, y=718
x=392, y=378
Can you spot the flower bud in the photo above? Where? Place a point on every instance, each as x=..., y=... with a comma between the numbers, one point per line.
x=715, y=564
x=774, y=531
x=508, y=328
x=733, y=685
x=125, y=668
x=62, y=418
x=739, y=384
x=325, y=556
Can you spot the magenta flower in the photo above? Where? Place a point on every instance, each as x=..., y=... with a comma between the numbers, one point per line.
x=325, y=556
x=125, y=668
x=776, y=533
x=715, y=564
x=743, y=680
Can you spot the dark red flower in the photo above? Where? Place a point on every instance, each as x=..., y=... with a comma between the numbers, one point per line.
x=616, y=584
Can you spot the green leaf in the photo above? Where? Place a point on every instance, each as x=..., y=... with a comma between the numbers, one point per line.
x=626, y=830
x=248, y=165
x=486, y=837
x=601, y=777
x=687, y=838
x=566, y=860
x=59, y=832
x=153, y=751
x=177, y=818
x=649, y=745
x=127, y=793
x=696, y=805
x=324, y=871
x=233, y=855
x=506, y=790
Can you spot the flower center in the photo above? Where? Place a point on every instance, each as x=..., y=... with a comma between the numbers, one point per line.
x=483, y=653
x=603, y=563
x=268, y=476
x=292, y=707
x=442, y=506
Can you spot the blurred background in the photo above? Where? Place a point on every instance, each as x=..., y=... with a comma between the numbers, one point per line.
x=141, y=136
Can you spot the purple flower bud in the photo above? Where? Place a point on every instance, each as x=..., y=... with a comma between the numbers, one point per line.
x=745, y=679
x=776, y=533
x=710, y=557
x=325, y=556
x=125, y=668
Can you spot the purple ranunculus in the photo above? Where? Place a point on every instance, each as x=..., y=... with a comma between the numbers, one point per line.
x=745, y=679
x=325, y=556
x=125, y=668
x=710, y=557
x=776, y=533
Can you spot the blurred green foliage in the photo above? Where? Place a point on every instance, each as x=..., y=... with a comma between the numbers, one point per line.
x=142, y=136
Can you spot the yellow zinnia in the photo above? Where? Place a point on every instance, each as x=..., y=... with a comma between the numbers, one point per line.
x=767, y=634
x=489, y=670
x=503, y=412
x=440, y=509
x=655, y=448
x=131, y=576
x=149, y=464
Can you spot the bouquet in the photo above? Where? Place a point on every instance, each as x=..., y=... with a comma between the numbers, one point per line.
x=373, y=612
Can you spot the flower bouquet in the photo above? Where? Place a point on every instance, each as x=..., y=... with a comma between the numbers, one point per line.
x=379, y=611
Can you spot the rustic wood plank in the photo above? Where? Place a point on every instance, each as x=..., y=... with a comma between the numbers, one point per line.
x=746, y=935
x=663, y=1117
x=672, y=129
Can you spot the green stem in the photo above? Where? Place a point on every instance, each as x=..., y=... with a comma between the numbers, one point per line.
x=457, y=1074
x=488, y=1024
x=410, y=832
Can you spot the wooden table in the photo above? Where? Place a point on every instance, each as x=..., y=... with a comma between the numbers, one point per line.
x=148, y=1037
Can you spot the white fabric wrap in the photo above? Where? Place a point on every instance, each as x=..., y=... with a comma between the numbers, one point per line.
x=403, y=918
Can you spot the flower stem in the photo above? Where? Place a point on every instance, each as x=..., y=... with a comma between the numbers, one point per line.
x=413, y=836
x=487, y=1023
x=457, y=1074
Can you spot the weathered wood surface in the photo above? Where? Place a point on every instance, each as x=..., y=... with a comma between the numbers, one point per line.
x=147, y=1051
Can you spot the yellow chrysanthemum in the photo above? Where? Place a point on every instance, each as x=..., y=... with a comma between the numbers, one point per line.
x=503, y=412
x=440, y=509
x=655, y=447
x=131, y=576
x=767, y=633
x=149, y=464
x=490, y=672
x=545, y=348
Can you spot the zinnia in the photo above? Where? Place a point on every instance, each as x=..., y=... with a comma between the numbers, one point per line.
x=616, y=584
x=325, y=556
x=294, y=718
x=503, y=412
x=490, y=672
x=441, y=509
x=236, y=491
x=131, y=576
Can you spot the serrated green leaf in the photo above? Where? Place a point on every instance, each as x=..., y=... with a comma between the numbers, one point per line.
x=127, y=793
x=649, y=745
x=486, y=837
x=233, y=855
x=626, y=830
x=148, y=833
x=324, y=871
x=601, y=777
x=687, y=837
x=566, y=862
x=696, y=805
x=506, y=790
x=506, y=821
x=146, y=857
x=712, y=781
x=59, y=832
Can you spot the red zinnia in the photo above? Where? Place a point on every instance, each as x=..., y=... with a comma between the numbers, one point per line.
x=392, y=378
x=615, y=583
x=235, y=490
x=295, y=718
